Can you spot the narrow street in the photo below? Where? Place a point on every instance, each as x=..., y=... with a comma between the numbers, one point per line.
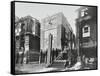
x=56, y=66
x=33, y=68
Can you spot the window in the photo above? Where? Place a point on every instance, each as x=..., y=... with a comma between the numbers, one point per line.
x=86, y=31
x=83, y=12
x=18, y=29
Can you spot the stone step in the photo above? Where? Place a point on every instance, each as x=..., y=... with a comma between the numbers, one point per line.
x=58, y=64
x=60, y=61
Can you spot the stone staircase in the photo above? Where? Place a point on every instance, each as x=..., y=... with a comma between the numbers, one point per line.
x=59, y=61
x=58, y=64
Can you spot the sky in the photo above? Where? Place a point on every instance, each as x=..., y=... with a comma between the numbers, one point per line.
x=40, y=11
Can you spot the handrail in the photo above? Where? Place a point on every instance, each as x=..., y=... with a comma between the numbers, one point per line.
x=60, y=55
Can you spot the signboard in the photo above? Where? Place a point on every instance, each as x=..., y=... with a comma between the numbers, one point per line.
x=26, y=43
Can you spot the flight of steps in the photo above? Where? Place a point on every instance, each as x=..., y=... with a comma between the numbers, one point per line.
x=59, y=61
x=58, y=64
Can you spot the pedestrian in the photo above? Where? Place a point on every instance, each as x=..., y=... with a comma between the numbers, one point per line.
x=22, y=55
x=68, y=56
x=65, y=50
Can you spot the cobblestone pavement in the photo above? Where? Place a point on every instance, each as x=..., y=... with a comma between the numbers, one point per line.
x=33, y=68
x=37, y=68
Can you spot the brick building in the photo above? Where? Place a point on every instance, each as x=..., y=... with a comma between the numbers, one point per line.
x=58, y=26
x=27, y=33
x=86, y=32
x=61, y=31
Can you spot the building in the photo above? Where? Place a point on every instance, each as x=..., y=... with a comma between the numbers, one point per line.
x=57, y=32
x=27, y=33
x=86, y=32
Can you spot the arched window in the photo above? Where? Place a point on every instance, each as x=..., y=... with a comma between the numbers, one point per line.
x=86, y=31
x=18, y=29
